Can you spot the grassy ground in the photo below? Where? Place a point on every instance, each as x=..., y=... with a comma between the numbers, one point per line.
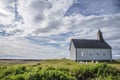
x=58, y=69
x=54, y=62
x=115, y=63
x=17, y=61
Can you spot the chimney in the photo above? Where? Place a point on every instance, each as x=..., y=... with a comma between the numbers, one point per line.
x=99, y=36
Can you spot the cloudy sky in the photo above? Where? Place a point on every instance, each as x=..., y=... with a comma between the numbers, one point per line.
x=42, y=29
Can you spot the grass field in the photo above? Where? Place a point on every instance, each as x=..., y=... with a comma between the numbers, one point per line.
x=58, y=69
x=52, y=62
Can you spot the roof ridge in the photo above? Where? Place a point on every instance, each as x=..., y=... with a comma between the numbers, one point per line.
x=84, y=39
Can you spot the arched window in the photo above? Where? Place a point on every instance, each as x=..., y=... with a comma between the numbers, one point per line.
x=90, y=53
x=83, y=53
x=104, y=54
x=98, y=54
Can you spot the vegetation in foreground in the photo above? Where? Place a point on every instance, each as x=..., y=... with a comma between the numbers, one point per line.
x=62, y=69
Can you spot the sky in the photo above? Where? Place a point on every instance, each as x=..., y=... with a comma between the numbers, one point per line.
x=42, y=29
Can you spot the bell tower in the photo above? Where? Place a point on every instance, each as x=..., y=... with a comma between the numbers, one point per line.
x=100, y=36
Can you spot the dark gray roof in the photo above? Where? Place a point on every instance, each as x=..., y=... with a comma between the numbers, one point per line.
x=83, y=43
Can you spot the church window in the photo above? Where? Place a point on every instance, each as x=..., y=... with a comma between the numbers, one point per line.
x=83, y=53
x=90, y=53
x=104, y=54
x=97, y=53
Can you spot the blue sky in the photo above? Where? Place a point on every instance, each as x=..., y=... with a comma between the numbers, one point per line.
x=42, y=29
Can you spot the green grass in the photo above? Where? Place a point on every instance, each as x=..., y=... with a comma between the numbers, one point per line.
x=58, y=69
x=115, y=63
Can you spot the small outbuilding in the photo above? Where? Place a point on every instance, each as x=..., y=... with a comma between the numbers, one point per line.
x=90, y=50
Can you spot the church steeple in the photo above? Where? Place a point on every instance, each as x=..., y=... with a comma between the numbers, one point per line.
x=100, y=36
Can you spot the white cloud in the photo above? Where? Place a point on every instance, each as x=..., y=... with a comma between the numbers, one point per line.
x=24, y=49
x=45, y=18
x=4, y=15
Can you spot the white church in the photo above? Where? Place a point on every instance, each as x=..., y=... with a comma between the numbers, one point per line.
x=90, y=50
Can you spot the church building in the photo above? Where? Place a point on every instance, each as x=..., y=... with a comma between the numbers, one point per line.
x=90, y=50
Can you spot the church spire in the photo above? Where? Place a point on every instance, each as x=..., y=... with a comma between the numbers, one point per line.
x=99, y=36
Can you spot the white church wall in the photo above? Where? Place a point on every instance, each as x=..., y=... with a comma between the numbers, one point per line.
x=73, y=52
x=93, y=54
